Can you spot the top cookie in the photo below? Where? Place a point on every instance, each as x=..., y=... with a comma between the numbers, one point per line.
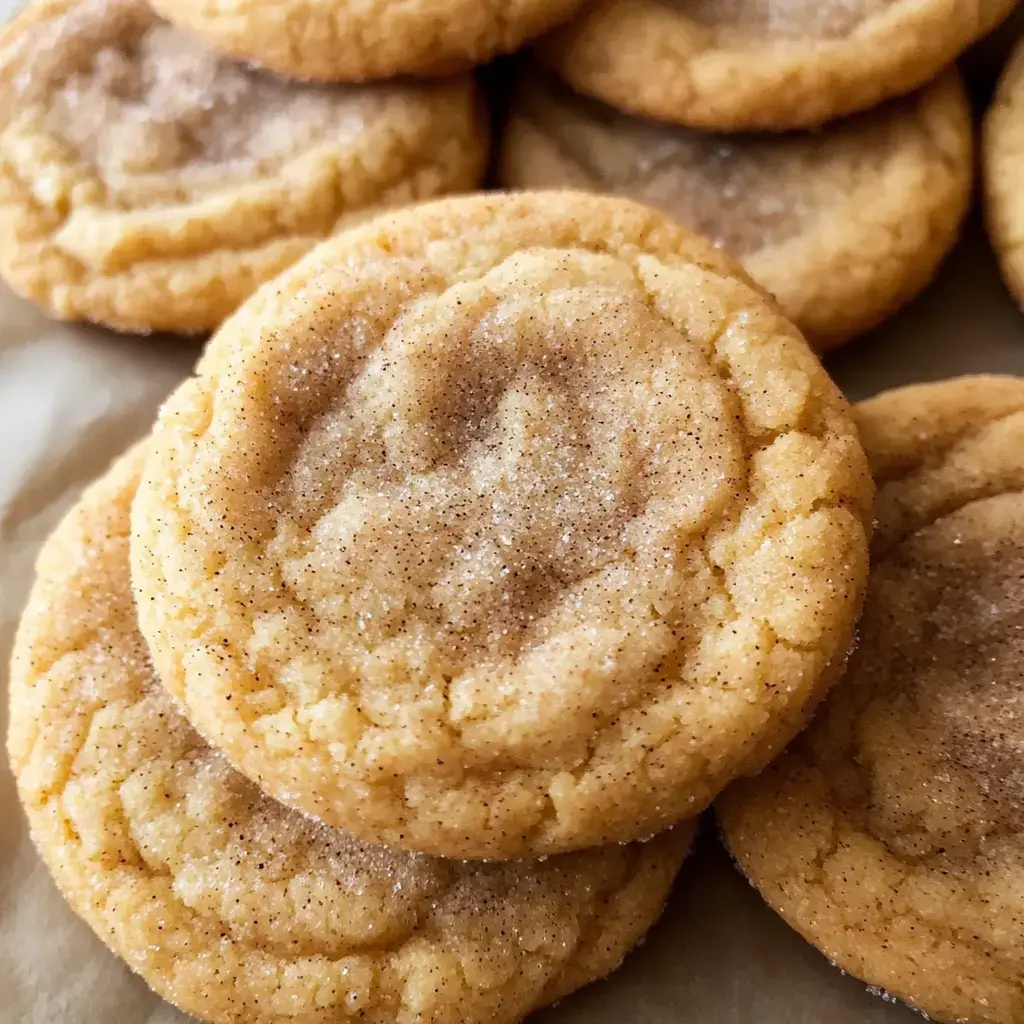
x=891, y=834
x=503, y=526
x=358, y=40
x=237, y=909
x=729, y=65
x=148, y=183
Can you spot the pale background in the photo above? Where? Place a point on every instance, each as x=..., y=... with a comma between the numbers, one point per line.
x=71, y=399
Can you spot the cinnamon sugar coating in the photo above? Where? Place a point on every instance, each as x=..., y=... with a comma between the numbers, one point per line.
x=503, y=526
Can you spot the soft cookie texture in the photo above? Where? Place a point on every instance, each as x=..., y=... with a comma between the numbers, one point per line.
x=503, y=526
x=237, y=909
x=148, y=183
x=357, y=40
x=842, y=226
x=729, y=65
x=1003, y=167
x=891, y=833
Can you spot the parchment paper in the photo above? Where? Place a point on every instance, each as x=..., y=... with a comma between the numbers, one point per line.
x=71, y=399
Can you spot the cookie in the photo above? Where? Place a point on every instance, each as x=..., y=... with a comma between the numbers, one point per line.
x=503, y=526
x=733, y=65
x=353, y=41
x=1003, y=165
x=235, y=908
x=148, y=183
x=890, y=834
x=843, y=226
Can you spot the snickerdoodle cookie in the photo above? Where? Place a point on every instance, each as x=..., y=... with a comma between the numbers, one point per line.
x=891, y=834
x=237, y=909
x=729, y=65
x=148, y=183
x=1003, y=170
x=503, y=526
x=843, y=226
x=358, y=40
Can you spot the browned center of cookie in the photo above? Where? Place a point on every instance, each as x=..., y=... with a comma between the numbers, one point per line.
x=477, y=476
x=129, y=94
x=743, y=192
x=933, y=710
x=785, y=19
x=970, y=647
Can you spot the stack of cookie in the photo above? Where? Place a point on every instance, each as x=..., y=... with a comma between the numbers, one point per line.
x=844, y=211
x=384, y=680
x=498, y=537
x=149, y=181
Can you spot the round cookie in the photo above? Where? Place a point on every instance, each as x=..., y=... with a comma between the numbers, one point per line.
x=891, y=834
x=842, y=226
x=148, y=183
x=732, y=65
x=1003, y=167
x=355, y=40
x=235, y=908
x=503, y=526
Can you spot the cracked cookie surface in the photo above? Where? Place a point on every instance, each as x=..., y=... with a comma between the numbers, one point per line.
x=149, y=183
x=890, y=834
x=732, y=65
x=355, y=40
x=503, y=526
x=842, y=226
x=230, y=905
x=1003, y=167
